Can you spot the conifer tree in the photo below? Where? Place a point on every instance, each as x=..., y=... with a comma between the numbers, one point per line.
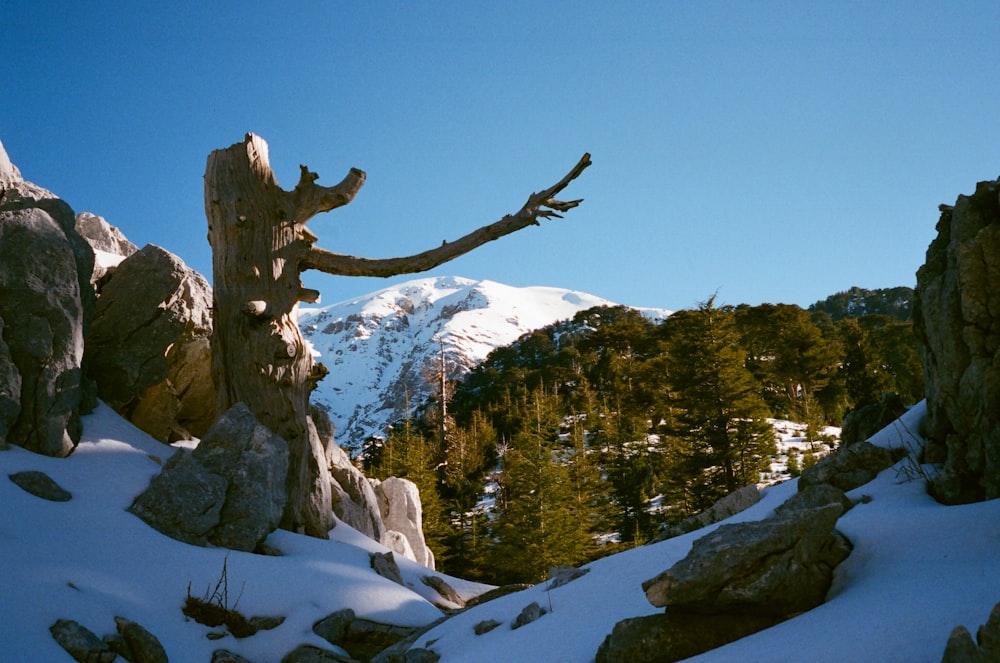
x=722, y=436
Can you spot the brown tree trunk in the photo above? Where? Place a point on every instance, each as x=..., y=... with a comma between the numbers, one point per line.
x=259, y=247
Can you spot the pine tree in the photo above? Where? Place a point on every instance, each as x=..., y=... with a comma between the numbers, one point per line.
x=721, y=434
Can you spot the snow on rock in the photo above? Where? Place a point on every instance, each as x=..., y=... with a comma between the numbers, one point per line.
x=381, y=348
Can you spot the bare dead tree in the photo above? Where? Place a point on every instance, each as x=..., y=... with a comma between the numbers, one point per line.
x=260, y=246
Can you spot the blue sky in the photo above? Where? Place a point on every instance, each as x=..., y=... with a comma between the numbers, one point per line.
x=770, y=151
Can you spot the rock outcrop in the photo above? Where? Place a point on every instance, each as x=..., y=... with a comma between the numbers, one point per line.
x=229, y=491
x=861, y=424
x=737, y=580
x=109, y=244
x=362, y=638
x=46, y=303
x=399, y=504
x=851, y=466
x=957, y=324
x=731, y=504
x=985, y=649
x=148, y=347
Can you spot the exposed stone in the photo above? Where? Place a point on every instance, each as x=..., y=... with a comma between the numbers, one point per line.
x=985, y=649
x=850, y=467
x=861, y=424
x=779, y=566
x=229, y=491
x=47, y=304
x=333, y=627
x=668, y=637
x=226, y=656
x=102, y=236
x=10, y=390
x=560, y=575
x=41, y=485
x=399, y=505
x=496, y=593
x=385, y=565
x=141, y=645
x=956, y=324
x=531, y=612
x=81, y=643
x=485, y=626
x=312, y=654
x=352, y=497
x=420, y=655
x=730, y=505
x=814, y=497
x=444, y=590
x=362, y=638
x=148, y=348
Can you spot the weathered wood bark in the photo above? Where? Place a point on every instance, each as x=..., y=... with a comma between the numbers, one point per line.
x=260, y=245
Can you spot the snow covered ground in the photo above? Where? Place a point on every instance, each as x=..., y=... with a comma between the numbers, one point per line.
x=917, y=570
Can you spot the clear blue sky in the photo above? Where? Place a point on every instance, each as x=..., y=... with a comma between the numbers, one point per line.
x=770, y=151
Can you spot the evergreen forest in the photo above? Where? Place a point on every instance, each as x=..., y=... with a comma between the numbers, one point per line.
x=587, y=436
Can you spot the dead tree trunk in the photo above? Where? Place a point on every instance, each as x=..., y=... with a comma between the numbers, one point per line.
x=260, y=245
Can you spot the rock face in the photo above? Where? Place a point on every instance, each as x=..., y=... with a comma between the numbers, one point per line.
x=109, y=244
x=957, y=324
x=399, y=504
x=861, y=424
x=46, y=303
x=229, y=491
x=148, y=348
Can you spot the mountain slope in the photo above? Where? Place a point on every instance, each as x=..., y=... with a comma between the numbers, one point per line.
x=383, y=349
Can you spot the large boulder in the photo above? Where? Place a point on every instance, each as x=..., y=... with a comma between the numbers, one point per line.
x=109, y=244
x=352, y=496
x=399, y=503
x=46, y=303
x=148, y=347
x=738, y=579
x=779, y=566
x=851, y=466
x=229, y=491
x=956, y=319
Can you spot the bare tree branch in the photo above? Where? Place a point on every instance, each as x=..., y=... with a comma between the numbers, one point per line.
x=539, y=205
x=309, y=198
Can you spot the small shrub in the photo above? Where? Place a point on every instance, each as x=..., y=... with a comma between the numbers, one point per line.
x=214, y=609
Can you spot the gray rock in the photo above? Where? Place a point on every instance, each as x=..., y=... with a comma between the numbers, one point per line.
x=81, y=643
x=850, y=467
x=148, y=347
x=362, y=638
x=41, y=485
x=10, y=390
x=561, y=575
x=730, y=505
x=777, y=567
x=496, y=593
x=399, y=505
x=956, y=324
x=861, y=424
x=229, y=491
x=485, y=626
x=814, y=497
x=102, y=236
x=385, y=565
x=531, y=612
x=352, y=497
x=311, y=654
x=985, y=649
x=183, y=501
x=333, y=627
x=664, y=638
x=46, y=306
x=444, y=590
x=142, y=646
x=419, y=655
x=226, y=656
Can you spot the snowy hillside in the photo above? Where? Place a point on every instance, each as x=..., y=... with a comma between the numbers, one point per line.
x=381, y=349
x=917, y=570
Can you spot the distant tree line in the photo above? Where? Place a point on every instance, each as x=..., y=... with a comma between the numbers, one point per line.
x=583, y=437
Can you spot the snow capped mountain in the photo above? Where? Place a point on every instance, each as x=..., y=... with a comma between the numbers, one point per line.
x=383, y=349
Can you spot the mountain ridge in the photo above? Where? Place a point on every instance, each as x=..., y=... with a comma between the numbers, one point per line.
x=382, y=348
